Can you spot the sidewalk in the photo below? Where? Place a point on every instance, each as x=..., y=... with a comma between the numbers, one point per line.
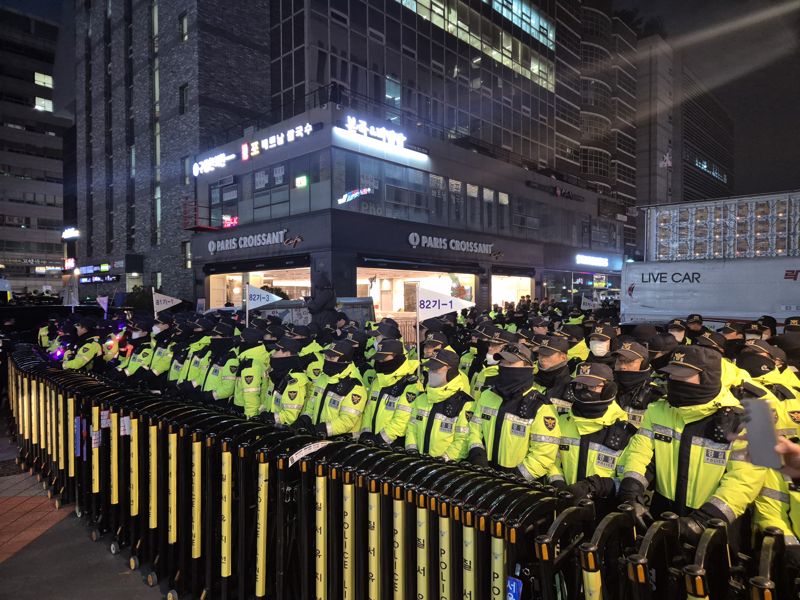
x=47, y=553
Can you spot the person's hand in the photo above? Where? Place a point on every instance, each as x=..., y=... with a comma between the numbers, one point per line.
x=791, y=457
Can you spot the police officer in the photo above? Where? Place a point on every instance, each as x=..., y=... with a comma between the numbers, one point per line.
x=732, y=375
x=695, y=327
x=138, y=351
x=633, y=376
x=497, y=340
x=253, y=359
x=390, y=395
x=677, y=329
x=197, y=338
x=553, y=377
x=699, y=474
x=602, y=342
x=755, y=331
x=286, y=387
x=594, y=436
x=338, y=397
x=215, y=378
x=164, y=340
x=734, y=339
x=659, y=350
x=514, y=428
x=85, y=349
x=440, y=416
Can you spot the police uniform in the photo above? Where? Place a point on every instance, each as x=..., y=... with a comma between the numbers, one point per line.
x=636, y=389
x=679, y=325
x=519, y=434
x=390, y=396
x=440, y=416
x=285, y=395
x=594, y=437
x=87, y=348
x=337, y=401
x=698, y=473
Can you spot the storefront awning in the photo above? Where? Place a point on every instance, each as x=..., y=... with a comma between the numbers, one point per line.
x=258, y=264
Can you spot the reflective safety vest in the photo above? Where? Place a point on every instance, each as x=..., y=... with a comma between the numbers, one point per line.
x=286, y=399
x=578, y=351
x=179, y=370
x=592, y=446
x=466, y=360
x=783, y=400
x=220, y=378
x=483, y=380
x=253, y=365
x=778, y=505
x=140, y=358
x=389, y=402
x=84, y=357
x=521, y=434
x=43, y=336
x=162, y=358
x=439, y=424
x=337, y=401
x=695, y=465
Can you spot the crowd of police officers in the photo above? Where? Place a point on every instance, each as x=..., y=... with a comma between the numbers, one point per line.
x=549, y=393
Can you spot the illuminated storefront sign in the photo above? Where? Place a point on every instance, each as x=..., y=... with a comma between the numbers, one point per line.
x=415, y=240
x=591, y=261
x=352, y=195
x=207, y=165
x=69, y=264
x=70, y=233
x=98, y=279
x=387, y=136
x=256, y=147
x=229, y=221
x=255, y=240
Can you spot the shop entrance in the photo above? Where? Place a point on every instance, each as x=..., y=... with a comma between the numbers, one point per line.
x=228, y=288
x=510, y=288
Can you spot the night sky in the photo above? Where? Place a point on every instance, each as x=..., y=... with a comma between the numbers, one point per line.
x=746, y=51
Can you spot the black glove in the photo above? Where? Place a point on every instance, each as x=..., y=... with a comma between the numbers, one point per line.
x=478, y=456
x=559, y=484
x=369, y=438
x=267, y=417
x=690, y=529
x=302, y=423
x=580, y=489
x=321, y=430
x=641, y=516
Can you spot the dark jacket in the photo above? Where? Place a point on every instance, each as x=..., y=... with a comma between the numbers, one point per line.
x=322, y=303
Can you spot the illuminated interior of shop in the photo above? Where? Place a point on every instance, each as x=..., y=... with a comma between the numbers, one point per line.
x=510, y=288
x=394, y=290
x=294, y=283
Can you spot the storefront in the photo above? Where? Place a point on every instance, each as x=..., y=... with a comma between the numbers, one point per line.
x=379, y=212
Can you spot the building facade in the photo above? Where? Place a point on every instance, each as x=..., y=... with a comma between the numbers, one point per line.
x=761, y=226
x=684, y=136
x=480, y=74
x=332, y=192
x=31, y=195
x=155, y=81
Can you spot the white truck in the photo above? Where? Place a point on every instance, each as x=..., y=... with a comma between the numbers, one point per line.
x=720, y=290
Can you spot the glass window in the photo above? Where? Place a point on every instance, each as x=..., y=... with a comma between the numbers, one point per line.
x=488, y=209
x=473, y=207
x=43, y=80
x=183, y=26
x=43, y=104
x=186, y=170
x=183, y=98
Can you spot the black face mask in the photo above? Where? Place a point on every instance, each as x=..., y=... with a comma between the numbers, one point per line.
x=628, y=380
x=385, y=367
x=332, y=369
x=592, y=405
x=732, y=348
x=512, y=381
x=681, y=394
x=280, y=367
x=757, y=365
x=482, y=346
x=660, y=362
x=552, y=376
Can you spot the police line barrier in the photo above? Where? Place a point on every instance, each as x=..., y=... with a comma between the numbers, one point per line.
x=210, y=505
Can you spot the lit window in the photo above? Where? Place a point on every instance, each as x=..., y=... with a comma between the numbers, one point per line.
x=186, y=169
x=183, y=22
x=43, y=80
x=44, y=104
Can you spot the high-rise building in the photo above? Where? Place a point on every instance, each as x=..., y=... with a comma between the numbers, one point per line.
x=480, y=75
x=155, y=82
x=595, y=102
x=31, y=197
x=684, y=135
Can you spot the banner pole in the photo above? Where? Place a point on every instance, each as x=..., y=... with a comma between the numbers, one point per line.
x=247, y=306
x=419, y=346
x=155, y=312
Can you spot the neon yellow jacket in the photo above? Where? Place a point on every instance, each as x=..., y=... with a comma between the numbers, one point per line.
x=247, y=393
x=526, y=437
x=439, y=424
x=389, y=402
x=286, y=400
x=84, y=357
x=718, y=476
x=778, y=505
x=337, y=401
